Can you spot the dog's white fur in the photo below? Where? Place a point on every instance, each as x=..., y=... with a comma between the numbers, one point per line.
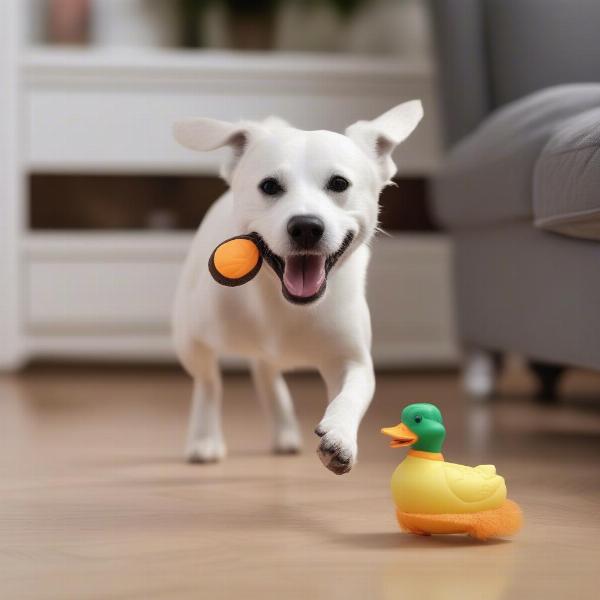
x=333, y=334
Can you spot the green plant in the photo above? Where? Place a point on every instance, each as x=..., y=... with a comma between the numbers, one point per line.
x=243, y=7
x=251, y=7
x=258, y=7
x=192, y=10
x=345, y=8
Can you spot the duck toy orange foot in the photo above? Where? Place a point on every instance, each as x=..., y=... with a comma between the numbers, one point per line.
x=433, y=496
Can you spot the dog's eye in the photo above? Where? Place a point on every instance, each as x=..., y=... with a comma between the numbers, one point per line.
x=338, y=184
x=270, y=186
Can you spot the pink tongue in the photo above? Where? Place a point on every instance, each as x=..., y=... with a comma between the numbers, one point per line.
x=303, y=276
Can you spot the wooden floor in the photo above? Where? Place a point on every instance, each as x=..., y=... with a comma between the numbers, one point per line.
x=95, y=501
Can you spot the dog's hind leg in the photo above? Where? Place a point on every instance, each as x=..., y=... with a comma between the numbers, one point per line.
x=205, y=437
x=275, y=397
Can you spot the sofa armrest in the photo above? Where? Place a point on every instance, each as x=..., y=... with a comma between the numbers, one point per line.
x=566, y=190
x=488, y=177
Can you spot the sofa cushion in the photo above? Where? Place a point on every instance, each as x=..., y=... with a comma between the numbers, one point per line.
x=566, y=192
x=488, y=177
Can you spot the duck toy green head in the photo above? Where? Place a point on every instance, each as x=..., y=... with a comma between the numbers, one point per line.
x=433, y=496
x=421, y=427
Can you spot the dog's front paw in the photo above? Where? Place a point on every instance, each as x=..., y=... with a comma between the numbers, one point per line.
x=205, y=450
x=337, y=449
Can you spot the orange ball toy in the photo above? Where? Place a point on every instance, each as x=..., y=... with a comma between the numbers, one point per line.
x=235, y=261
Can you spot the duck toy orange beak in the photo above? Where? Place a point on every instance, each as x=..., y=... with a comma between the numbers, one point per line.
x=401, y=436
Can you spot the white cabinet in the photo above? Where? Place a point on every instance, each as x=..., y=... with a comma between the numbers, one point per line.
x=410, y=297
x=110, y=111
x=92, y=294
x=101, y=283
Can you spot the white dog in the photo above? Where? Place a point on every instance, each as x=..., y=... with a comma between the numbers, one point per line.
x=312, y=197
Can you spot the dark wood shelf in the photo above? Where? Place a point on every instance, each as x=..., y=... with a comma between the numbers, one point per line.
x=141, y=202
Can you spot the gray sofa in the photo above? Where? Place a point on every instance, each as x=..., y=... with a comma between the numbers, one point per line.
x=520, y=188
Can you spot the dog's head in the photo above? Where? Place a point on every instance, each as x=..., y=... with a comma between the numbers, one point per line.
x=310, y=196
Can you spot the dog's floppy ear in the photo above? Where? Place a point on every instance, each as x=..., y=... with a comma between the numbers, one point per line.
x=209, y=134
x=379, y=137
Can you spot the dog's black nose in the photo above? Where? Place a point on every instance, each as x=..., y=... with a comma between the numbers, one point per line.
x=306, y=230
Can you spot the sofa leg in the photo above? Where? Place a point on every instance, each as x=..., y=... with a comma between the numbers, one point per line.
x=480, y=372
x=548, y=376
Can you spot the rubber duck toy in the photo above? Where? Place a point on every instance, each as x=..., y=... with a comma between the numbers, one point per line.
x=435, y=496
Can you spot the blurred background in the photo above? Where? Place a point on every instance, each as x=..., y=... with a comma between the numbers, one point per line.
x=100, y=203
x=107, y=200
x=484, y=294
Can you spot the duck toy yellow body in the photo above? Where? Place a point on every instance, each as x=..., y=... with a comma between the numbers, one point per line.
x=433, y=496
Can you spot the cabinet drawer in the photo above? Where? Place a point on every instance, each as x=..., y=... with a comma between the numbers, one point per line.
x=410, y=298
x=102, y=290
x=91, y=112
x=121, y=288
x=94, y=295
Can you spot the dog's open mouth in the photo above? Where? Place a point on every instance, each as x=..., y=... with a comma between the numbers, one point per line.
x=303, y=276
